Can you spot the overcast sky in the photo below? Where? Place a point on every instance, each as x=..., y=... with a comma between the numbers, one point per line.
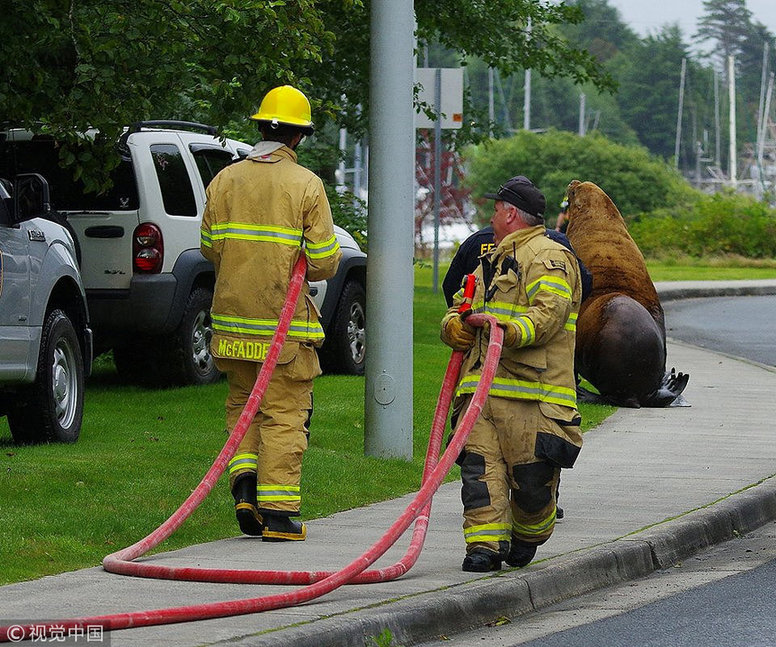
x=647, y=16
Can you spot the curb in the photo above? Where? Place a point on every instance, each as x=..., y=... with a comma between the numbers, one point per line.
x=429, y=615
x=668, y=292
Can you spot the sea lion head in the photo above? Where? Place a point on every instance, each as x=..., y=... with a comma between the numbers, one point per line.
x=588, y=201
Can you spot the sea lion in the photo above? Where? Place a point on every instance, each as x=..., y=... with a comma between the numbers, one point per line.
x=621, y=338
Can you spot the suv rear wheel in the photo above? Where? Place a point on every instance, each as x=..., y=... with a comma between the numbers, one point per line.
x=185, y=356
x=182, y=358
x=52, y=407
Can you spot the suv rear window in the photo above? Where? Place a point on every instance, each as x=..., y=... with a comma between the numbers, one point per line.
x=177, y=194
x=41, y=155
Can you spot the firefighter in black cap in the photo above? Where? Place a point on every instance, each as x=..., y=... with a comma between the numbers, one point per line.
x=529, y=426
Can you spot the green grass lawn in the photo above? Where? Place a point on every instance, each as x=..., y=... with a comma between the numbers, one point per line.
x=668, y=272
x=141, y=452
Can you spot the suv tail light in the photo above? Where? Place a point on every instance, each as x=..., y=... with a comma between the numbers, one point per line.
x=147, y=249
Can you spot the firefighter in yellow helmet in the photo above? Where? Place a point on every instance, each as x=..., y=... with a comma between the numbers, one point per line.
x=261, y=214
x=529, y=425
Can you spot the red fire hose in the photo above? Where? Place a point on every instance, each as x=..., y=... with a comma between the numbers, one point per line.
x=317, y=583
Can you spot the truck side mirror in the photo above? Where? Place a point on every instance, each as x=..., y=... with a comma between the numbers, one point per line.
x=30, y=196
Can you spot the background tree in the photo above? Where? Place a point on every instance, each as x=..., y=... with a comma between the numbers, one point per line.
x=649, y=76
x=725, y=23
x=108, y=64
x=637, y=181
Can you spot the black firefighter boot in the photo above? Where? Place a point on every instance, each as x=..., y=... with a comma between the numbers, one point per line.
x=245, y=506
x=520, y=553
x=280, y=527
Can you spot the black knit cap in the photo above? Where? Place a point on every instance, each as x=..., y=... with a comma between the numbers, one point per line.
x=522, y=193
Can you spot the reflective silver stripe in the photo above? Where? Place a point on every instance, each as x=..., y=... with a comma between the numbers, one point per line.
x=265, y=233
x=265, y=327
x=278, y=493
x=243, y=461
x=535, y=530
x=522, y=389
x=322, y=250
x=527, y=328
x=487, y=532
x=551, y=284
x=571, y=322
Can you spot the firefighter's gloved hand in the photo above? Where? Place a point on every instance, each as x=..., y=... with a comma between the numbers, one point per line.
x=457, y=334
x=512, y=334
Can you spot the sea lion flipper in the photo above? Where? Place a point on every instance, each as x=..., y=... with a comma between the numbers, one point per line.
x=583, y=395
x=670, y=392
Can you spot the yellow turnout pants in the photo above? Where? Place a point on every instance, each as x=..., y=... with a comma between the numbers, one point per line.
x=277, y=436
x=507, y=492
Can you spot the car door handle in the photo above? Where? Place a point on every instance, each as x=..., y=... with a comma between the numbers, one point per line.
x=105, y=231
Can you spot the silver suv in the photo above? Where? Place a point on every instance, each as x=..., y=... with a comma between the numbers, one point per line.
x=45, y=340
x=149, y=288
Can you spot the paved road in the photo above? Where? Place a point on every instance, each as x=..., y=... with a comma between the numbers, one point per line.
x=740, y=326
x=718, y=597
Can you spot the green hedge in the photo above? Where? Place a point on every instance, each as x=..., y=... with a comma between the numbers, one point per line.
x=718, y=225
x=666, y=216
x=637, y=181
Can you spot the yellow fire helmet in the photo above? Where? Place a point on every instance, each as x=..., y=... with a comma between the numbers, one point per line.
x=286, y=105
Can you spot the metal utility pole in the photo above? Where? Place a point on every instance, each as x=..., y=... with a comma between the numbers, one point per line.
x=679, y=113
x=491, y=104
x=341, y=167
x=437, y=172
x=390, y=278
x=763, y=135
x=504, y=105
x=527, y=90
x=762, y=91
x=582, y=118
x=717, y=127
x=527, y=101
x=732, y=96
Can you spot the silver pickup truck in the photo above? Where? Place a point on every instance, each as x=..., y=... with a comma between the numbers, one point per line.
x=45, y=339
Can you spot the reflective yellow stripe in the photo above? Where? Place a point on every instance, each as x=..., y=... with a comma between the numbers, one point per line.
x=262, y=233
x=534, y=530
x=265, y=327
x=527, y=329
x=322, y=250
x=551, y=284
x=205, y=238
x=278, y=493
x=487, y=532
x=242, y=462
x=571, y=322
x=505, y=312
x=522, y=390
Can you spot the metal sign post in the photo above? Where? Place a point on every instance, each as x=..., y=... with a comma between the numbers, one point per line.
x=447, y=100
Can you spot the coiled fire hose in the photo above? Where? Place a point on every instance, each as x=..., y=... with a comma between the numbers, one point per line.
x=317, y=583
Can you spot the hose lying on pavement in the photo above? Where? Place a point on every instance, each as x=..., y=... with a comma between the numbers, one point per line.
x=317, y=583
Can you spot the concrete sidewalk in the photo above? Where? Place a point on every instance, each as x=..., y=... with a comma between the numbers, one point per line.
x=651, y=487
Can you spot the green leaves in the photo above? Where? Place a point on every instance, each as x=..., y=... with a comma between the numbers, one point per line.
x=636, y=181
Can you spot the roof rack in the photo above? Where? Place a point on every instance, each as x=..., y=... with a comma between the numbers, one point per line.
x=136, y=127
x=168, y=123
